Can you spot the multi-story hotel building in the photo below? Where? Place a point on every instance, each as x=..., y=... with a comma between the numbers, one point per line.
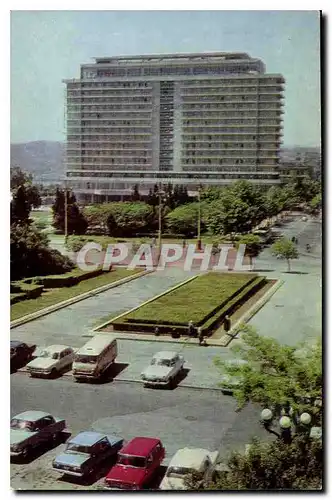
x=191, y=119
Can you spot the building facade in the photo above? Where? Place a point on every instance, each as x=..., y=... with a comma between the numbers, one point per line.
x=191, y=119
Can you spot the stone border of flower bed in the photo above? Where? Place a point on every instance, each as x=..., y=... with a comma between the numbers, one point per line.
x=208, y=323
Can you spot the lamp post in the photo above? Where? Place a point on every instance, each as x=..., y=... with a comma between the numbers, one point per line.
x=160, y=194
x=287, y=423
x=199, y=242
x=66, y=213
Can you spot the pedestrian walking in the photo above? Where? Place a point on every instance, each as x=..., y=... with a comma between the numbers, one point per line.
x=227, y=323
x=154, y=242
x=156, y=332
x=184, y=244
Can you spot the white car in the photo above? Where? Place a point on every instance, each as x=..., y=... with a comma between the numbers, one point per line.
x=165, y=366
x=185, y=462
x=51, y=361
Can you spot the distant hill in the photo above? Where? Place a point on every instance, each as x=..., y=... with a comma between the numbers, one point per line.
x=43, y=159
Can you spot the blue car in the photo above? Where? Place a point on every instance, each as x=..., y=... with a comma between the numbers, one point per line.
x=85, y=452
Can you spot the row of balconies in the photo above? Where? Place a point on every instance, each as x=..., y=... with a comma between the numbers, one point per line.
x=234, y=91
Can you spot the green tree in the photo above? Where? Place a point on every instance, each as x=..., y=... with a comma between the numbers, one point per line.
x=24, y=196
x=128, y=218
x=76, y=222
x=269, y=466
x=253, y=245
x=285, y=249
x=275, y=375
x=153, y=198
x=315, y=203
x=135, y=196
x=229, y=215
x=30, y=254
x=184, y=219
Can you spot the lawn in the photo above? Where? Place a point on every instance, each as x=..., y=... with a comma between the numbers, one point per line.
x=193, y=301
x=55, y=295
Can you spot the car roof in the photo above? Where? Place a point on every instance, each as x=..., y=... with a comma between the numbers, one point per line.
x=189, y=457
x=165, y=354
x=32, y=415
x=96, y=345
x=140, y=446
x=16, y=343
x=89, y=438
x=56, y=348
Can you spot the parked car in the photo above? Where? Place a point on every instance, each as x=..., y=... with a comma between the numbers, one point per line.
x=137, y=462
x=85, y=452
x=230, y=382
x=93, y=359
x=20, y=353
x=31, y=429
x=185, y=462
x=165, y=366
x=53, y=360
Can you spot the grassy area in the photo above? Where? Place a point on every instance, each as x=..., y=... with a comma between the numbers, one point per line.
x=193, y=301
x=56, y=295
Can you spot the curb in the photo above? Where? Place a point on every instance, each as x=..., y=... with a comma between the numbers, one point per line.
x=73, y=300
x=126, y=380
x=144, y=338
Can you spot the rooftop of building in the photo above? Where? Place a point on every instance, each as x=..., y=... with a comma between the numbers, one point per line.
x=195, y=56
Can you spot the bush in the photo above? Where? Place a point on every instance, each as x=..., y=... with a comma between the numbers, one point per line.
x=27, y=292
x=68, y=279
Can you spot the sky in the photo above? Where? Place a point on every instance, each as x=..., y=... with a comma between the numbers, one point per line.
x=49, y=46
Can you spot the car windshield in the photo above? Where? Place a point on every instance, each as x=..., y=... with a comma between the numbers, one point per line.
x=161, y=362
x=21, y=424
x=179, y=471
x=77, y=448
x=86, y=359
x=45, y=354
x=132, y=461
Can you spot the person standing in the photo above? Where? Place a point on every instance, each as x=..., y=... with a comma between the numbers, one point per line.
x=191, y=329
x=227, y=323
x=200, y=335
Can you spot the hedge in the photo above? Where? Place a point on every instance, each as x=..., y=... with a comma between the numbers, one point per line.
x=209, y=325
x=64, y=280
x=28, y=292
x=202, y=320
x=208, y=293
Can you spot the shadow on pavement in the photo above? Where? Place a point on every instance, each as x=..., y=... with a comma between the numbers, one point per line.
x=112, y=372
x=295, y=272
x=102, y=469
x=43, y=448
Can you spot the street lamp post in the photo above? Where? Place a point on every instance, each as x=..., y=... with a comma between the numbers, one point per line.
x=288, y=422
x=160, y=206
x=199, y=242
x=66, y=213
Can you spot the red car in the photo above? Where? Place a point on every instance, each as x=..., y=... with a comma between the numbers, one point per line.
x=137, y=462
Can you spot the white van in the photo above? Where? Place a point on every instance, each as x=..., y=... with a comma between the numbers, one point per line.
x=93, y=359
